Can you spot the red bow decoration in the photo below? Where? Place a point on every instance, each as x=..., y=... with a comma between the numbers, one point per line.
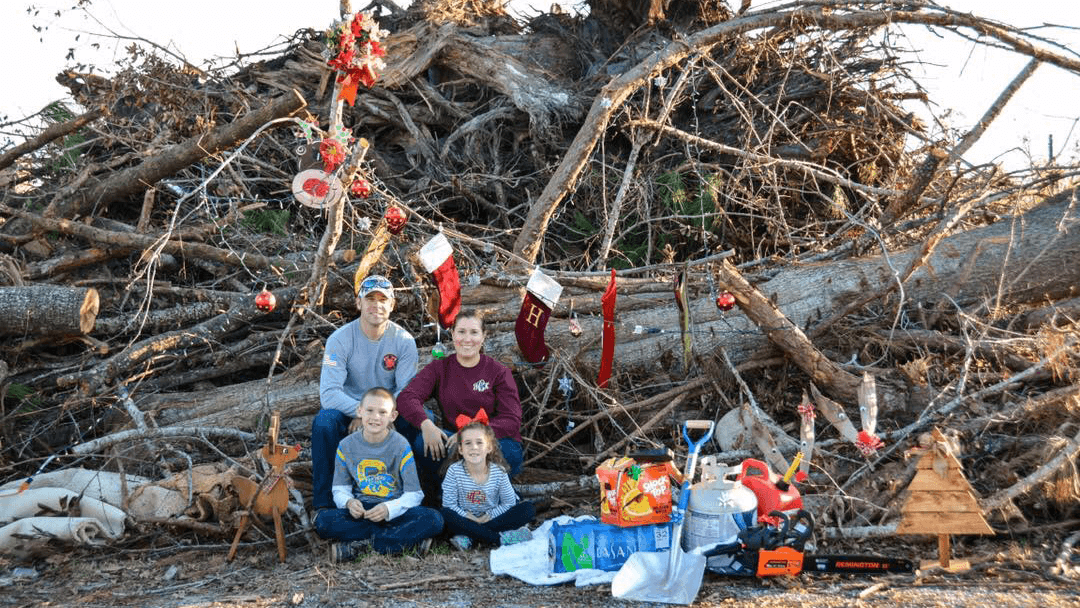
x=806, y=410
x=462, y=419
x=868, y=444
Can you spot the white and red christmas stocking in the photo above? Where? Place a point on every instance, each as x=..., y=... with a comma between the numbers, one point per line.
x=437, y=256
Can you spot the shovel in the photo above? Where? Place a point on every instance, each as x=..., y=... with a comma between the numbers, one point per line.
x=671, y=577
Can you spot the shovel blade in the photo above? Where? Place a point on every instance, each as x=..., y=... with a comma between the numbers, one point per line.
x=651, y=576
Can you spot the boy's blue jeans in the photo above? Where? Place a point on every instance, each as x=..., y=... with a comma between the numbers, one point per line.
x=519, y=515
x=394, y=536
x=328, y=428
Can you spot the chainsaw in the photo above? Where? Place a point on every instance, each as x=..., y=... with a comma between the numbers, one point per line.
x=767, y=550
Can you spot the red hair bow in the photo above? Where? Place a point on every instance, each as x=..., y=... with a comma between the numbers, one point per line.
x=462, y=419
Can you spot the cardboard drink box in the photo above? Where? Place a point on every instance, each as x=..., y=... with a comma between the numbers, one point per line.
x=636, y=493
x=592, y=544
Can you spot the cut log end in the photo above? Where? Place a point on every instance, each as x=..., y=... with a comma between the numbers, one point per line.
x=48, y=310
x=88, y=311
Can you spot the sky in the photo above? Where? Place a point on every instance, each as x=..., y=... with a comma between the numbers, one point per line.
x=961, y=76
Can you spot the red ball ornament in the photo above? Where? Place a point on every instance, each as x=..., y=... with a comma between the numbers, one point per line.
x=265, y=301
x=725, y=301
x=360, y=187
x=395, y=220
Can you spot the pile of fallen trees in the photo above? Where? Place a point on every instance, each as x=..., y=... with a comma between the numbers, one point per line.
x=767, y=154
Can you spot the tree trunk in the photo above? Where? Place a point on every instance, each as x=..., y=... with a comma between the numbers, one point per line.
x=295, y=393
x=40, y=310
x=1026, y=258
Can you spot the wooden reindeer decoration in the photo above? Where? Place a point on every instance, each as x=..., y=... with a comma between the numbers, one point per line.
x=270, y=497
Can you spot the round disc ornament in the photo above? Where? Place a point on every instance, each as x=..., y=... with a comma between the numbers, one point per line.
x=395, y=219
x=265, y=301
x=725, y=301
x=316, y=188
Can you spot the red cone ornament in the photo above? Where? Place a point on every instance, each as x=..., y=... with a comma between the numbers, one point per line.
x=725, y=301
x=265, y=301
x=395, y=220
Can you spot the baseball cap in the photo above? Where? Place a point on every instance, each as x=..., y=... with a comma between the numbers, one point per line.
x=377, y=283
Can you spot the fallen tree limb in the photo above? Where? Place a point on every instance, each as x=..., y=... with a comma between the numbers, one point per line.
x=295, y=393
x=786, y=335
x=531, y=91
x=101, y=443
x=237, y=316
x=611, y=98
x=46, y=310
x=180, y=315
x=926, y=172
x=987, y=349
x=1003, y=497
x=138, y=241
x=132, y=181
x=51, y=133
x=824, y=174
x=585, y=483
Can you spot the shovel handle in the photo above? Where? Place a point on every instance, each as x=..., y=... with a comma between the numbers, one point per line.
x=707, y=425
x=691, y=460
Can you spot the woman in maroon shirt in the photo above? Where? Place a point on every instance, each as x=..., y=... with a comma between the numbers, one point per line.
x=463, y=384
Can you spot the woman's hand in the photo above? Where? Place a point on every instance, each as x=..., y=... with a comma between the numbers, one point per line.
x=354, y=425
x=434, y=440
x=355, y=507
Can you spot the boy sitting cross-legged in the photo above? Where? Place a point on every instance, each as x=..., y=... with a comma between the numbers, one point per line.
x=376, y=489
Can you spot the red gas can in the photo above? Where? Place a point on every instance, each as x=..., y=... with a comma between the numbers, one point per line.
x=763, y=482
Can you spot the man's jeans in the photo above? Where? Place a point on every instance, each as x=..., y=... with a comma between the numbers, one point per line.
x=394, y=536
x=328, y=428
x=519, y=515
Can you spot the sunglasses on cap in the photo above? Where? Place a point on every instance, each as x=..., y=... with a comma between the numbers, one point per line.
x=376, y=283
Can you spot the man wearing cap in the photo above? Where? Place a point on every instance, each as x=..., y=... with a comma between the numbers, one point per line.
x=368, y=352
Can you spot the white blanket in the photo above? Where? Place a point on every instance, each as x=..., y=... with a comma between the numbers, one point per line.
x=102, y=485
x=529, y=561
x=32, y=518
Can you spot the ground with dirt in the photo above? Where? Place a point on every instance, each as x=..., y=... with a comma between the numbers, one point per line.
x=1004, y=573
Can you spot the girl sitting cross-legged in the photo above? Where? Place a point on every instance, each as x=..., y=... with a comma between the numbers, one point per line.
x=478, y=502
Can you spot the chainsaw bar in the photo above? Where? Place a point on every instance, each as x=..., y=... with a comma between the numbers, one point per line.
x=857, y=564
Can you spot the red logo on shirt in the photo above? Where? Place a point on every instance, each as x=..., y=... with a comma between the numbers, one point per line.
x=389, y=362
x=476, y=497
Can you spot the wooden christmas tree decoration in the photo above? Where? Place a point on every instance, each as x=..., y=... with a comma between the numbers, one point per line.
x=941, y=502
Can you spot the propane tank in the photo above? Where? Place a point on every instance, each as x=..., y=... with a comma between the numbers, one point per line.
x=719, y=507
x=772, y=493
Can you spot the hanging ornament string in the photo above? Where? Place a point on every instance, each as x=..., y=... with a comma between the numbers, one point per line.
x=566, y=387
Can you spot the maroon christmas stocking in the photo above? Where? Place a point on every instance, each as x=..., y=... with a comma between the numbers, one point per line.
x=607, y=352
x=529, y=329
